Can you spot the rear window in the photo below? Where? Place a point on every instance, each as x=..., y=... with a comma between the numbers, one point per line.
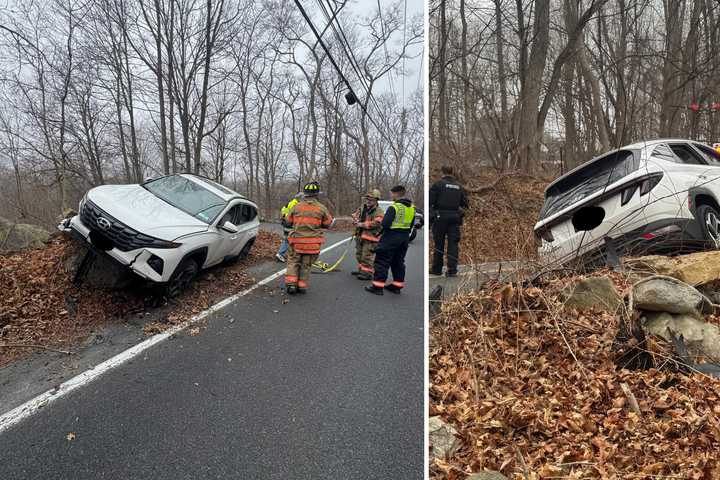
x=588, y=180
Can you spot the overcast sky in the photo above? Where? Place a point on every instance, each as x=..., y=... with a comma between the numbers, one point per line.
x=413, y=67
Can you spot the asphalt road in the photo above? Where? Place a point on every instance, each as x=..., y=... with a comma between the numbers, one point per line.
x=326, y=386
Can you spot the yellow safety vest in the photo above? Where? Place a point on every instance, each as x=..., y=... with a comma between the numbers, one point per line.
x=403, y=216
x=286, y=209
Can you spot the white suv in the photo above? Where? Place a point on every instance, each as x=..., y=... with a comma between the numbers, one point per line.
x=658, y=196
x=167, y=229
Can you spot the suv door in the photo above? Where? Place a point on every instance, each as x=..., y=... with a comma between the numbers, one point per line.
x=242, y=215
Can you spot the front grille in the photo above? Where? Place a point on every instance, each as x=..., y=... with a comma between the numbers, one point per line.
x=123, y=237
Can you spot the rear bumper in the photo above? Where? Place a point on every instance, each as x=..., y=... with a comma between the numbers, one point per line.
x=134, y=260
x=663, y=237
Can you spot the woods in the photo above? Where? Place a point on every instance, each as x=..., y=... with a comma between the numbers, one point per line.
x=116, y=91
x=546, y=85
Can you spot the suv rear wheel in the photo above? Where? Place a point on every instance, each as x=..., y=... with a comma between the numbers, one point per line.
x=710, y=224
x=181, y=277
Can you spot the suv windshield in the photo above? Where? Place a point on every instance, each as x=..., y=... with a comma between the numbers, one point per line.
x=188, y=196
x=588, y=180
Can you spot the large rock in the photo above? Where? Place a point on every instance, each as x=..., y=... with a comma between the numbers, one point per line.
x=597, y=293
x=104, y=272
x=443, y=440
x=695, y=268
x=702, y=338
x=668, y=294
x=487, y=475
x=15, y=237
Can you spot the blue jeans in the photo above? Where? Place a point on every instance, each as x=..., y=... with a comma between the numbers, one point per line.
x=284, y=245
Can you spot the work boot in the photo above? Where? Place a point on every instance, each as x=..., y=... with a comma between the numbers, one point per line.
x=374, y=289
x=393, y=288
x=355, y=273
x=435, y=273
x=302, y=290
x=291, y=289
x=364, y=276
x=451, y=274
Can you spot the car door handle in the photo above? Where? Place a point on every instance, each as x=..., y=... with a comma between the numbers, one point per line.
x=234, y=237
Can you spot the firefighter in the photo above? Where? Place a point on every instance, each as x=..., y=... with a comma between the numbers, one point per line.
x=307, y=219
x=368, y=222
x=448, y=203
x=280, y=255
x=394, y=240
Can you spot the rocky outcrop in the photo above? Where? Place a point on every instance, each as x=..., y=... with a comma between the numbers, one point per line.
x=593, y=293
x=668, y=294
x=443, y=440
x=15, y=237
x=702, y=338
x=695, y=269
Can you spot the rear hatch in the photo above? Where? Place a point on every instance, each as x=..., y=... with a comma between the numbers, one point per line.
x=580, y=206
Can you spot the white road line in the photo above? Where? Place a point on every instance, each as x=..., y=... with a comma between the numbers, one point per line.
x=30, y=407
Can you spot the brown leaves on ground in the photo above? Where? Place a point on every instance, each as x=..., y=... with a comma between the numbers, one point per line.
x=41, y=308
x=499, y=225
x=535, y=393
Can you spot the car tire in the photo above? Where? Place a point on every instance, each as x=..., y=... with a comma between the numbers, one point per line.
x=413, y=234
x=709, y=219
x=181, y=278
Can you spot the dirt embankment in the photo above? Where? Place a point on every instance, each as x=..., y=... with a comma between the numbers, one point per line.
x=40, y=308
x=503, y=210
x=536, y=390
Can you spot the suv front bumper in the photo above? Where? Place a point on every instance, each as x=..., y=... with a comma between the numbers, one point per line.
x=135, y=260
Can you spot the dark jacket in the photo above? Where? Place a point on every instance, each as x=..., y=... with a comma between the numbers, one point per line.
x=447, y=198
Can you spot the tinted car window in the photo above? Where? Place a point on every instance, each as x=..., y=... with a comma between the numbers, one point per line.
x=247, y=213
x=663, y=152
x=711, y=156
x=587, y=180
x=686, y=154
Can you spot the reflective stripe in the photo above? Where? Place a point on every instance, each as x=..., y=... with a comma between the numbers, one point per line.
x=316, y=240
x=378, y=284
x=403, y=216
x=369, y=237
x=296, y=220
x=302, y=284
x=399, y=284
x=307, y=248
x=291, y=278
x=366, y=268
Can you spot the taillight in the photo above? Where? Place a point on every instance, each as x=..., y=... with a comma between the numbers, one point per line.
x=627, y=194
x=650, y=183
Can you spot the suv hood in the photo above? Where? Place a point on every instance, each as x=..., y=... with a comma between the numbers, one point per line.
x=139, y=209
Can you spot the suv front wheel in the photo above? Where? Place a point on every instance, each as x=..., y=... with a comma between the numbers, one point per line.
x=181, y=277
x=710, y=224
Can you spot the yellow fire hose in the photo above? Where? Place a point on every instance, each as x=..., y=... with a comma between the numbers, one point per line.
x=326, y=267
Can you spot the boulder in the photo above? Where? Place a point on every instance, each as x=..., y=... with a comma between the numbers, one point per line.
x=596, y=293
x=667, y=294
x=443, y=440
x=15, y=237
x=695, y=269
x=104, y=273
x=487, y=475
x=701, y=338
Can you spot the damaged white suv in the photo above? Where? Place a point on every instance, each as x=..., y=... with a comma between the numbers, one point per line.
x=658, y=196
x=167, y=229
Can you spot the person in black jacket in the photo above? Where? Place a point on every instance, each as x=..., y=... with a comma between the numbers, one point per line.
x=448, y=203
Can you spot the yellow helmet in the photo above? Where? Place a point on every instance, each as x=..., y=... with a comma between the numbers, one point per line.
x=311, y=188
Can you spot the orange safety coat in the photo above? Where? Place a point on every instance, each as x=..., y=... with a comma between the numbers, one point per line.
x=369, y=226
x=307, y=218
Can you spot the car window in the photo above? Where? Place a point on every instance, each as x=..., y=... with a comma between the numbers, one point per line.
x=231, y=216
x=663, y=152
x=188, y=196
x=710, y=156
x=686, y=154
x=246, y=213
x=587, y=180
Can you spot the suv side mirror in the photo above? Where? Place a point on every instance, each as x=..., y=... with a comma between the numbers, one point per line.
x=229, y=227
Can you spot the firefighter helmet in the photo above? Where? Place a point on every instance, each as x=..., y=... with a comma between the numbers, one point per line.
x=311, y=188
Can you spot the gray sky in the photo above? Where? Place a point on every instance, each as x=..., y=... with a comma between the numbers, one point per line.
x=413, y=67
